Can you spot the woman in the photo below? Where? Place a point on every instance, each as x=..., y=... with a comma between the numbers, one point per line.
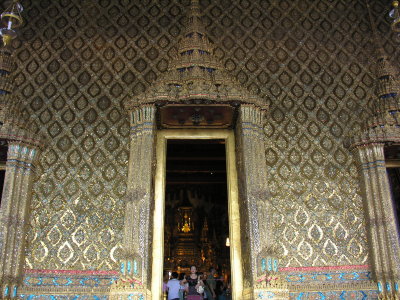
x=194, y=282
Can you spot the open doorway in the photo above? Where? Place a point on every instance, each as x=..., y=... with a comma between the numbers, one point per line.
x=392, y=158
x=225, y=139
x=196, y=229
x=3, y=165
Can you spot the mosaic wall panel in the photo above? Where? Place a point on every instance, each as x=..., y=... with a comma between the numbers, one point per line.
x=62, y=297
x=321, y=84
x=52, y=284
x=352, y=282
x=79, y=60
x=342, y=295
x=304, y=283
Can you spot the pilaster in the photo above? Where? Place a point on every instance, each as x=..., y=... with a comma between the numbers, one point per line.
x=134, y=267
x=382, y=229
x=253, y=169
x=23, y=151
x=14, y=215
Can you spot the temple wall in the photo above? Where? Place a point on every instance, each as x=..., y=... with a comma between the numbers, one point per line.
x=311, y=60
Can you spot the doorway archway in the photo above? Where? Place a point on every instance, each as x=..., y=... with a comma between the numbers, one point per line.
x=233, y=205
x=252, y=253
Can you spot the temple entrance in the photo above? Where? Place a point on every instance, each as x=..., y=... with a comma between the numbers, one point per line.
x=196, y=229
x=196, y=214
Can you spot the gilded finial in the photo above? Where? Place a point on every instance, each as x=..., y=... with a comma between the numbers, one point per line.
x=194, y=23
x=195, y=3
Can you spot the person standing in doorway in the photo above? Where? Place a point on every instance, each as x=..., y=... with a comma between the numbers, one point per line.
x=173, y=287
x=164, y=287
x=207, y=291
x=182, y=288
x=194, y=282
x=211, y=283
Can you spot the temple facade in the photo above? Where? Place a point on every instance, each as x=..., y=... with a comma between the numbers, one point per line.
x=303, y=96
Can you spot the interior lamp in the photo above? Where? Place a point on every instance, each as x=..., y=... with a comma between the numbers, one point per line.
x=10, y=20
x=395, y=15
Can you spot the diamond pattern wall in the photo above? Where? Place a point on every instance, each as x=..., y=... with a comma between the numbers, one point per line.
x=311, y=61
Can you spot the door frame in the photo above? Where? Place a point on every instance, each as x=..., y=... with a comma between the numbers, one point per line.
x=159, y=205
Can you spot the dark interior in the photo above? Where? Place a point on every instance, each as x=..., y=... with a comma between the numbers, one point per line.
x=392, y=156
x=196, y=187
x=3, y=161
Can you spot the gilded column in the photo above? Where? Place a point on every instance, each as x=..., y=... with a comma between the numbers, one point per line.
x=381, y=128
x=14, y=214
x=23, y=151
x=253, y=169
x=134, y=266
x=382, y=229
x=262, y=256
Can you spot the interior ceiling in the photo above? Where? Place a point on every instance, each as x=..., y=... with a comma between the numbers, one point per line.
x=392, y=152
x=196, y=162
x=3, y=154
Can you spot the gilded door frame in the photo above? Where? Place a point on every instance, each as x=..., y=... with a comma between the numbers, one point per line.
x=159, y=206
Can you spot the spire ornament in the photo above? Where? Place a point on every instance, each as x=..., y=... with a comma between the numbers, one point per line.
x=195, y=75
x=383, y=125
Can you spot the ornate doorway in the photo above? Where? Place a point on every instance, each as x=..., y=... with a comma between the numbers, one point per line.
x=159, y=203
x=252, y=254
x=196, y=98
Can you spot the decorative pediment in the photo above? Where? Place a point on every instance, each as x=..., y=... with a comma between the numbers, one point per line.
x=196, y=74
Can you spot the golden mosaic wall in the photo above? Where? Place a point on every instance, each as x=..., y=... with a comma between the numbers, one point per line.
x=80, y=59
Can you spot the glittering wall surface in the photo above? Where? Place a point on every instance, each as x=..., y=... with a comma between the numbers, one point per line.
x=79, y=60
